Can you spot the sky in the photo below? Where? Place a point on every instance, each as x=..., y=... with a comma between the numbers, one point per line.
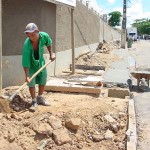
x=136, y=9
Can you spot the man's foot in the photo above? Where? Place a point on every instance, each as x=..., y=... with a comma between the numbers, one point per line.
x=41, y=101
x=33, y=108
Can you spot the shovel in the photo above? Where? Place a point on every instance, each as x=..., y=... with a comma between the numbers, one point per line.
x=17, y=91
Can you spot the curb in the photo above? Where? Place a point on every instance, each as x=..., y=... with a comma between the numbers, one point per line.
x=131, y=132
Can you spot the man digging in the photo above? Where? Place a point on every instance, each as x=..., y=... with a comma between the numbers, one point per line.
x=33, y=60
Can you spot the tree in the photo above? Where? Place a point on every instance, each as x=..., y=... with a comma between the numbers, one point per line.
x=115, y=18
x=143, y=25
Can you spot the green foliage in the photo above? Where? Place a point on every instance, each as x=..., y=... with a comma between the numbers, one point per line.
x=143, y=26
x=115, y=18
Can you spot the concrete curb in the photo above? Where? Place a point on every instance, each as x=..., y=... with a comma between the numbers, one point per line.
x=131, y=132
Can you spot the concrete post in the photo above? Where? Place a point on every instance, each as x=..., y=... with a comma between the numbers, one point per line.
x=1, y=46
x=123, y=38
x=72, y=40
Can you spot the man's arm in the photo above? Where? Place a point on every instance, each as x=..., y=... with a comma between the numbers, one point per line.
x=27, y=78
x=52, y=55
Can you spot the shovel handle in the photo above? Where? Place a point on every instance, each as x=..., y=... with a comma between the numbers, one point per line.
x=21, y=87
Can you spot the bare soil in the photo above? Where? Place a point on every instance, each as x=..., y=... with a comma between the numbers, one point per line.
x=21, y=129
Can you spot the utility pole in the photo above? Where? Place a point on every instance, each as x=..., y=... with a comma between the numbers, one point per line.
x=123, y=33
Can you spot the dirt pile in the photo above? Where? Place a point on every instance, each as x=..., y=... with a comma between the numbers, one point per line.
x=73, y=121
x=105, y=47
x=103, y=56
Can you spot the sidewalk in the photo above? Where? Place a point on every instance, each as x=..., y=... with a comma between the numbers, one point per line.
x=119, y=72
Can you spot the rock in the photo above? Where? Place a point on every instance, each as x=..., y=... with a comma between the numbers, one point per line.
x=122, y=125
x=114, y=128
x=61, y=136
x=109, y=119
x=85, y=59
x=15, y=116
x=90, y=123
x=8, y=116
x=78, y=137
x=113, y=100
x=79, y=145
x=97, y=138
x=121, y=146
x=121, y=115
x=26, y=123
x=109, y=135
x=30, y=132
x=73, y=123
x=44, y=128
x=42, y=144
x=60, y=114
x=16, y=108
x=11, y=137
x=1, y=115
x=54, y=122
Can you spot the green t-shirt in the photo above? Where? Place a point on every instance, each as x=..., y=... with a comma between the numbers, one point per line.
x=28, y=59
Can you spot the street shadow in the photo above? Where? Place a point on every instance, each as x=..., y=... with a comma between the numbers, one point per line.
x=140, y=89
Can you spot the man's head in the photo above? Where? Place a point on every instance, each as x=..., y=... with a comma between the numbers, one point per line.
x=32, y=32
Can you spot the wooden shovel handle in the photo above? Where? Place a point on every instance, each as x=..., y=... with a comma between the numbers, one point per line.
x=21, y=87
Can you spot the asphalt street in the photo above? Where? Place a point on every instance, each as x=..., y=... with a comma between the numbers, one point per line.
x=140, y=51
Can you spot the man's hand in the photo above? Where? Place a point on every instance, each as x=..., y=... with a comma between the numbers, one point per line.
x=27, y=79
x=52, y=57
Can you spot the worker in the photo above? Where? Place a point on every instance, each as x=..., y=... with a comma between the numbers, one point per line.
x=33, y=60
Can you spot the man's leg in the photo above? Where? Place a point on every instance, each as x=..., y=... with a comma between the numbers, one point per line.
x=34, y=100
x=40, y=99
x=32, y=92
x=41, y=89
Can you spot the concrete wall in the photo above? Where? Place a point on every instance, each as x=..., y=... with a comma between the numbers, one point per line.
x=13, y=73
x=86, y=27
x=17, y=14
x=108, y=33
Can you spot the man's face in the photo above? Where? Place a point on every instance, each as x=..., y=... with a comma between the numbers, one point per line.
x=34, y=36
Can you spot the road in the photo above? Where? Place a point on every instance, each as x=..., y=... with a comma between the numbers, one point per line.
x=141, y=53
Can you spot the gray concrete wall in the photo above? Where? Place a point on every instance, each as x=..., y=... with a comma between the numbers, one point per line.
x=13, y=73
x=17, y=14
x=86, y=27
x=110, y=34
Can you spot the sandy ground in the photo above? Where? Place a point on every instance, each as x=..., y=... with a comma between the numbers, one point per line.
x=98, y=122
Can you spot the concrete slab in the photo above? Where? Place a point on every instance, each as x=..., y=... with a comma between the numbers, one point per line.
x=118, y=92
x=87, y=67
x=119, y=65
x=85, y=72
x=116, y=76
x=63, y=85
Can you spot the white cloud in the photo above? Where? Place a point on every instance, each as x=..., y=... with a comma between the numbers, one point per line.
x=135, y=11
x=93, y=3
x=111, y=1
